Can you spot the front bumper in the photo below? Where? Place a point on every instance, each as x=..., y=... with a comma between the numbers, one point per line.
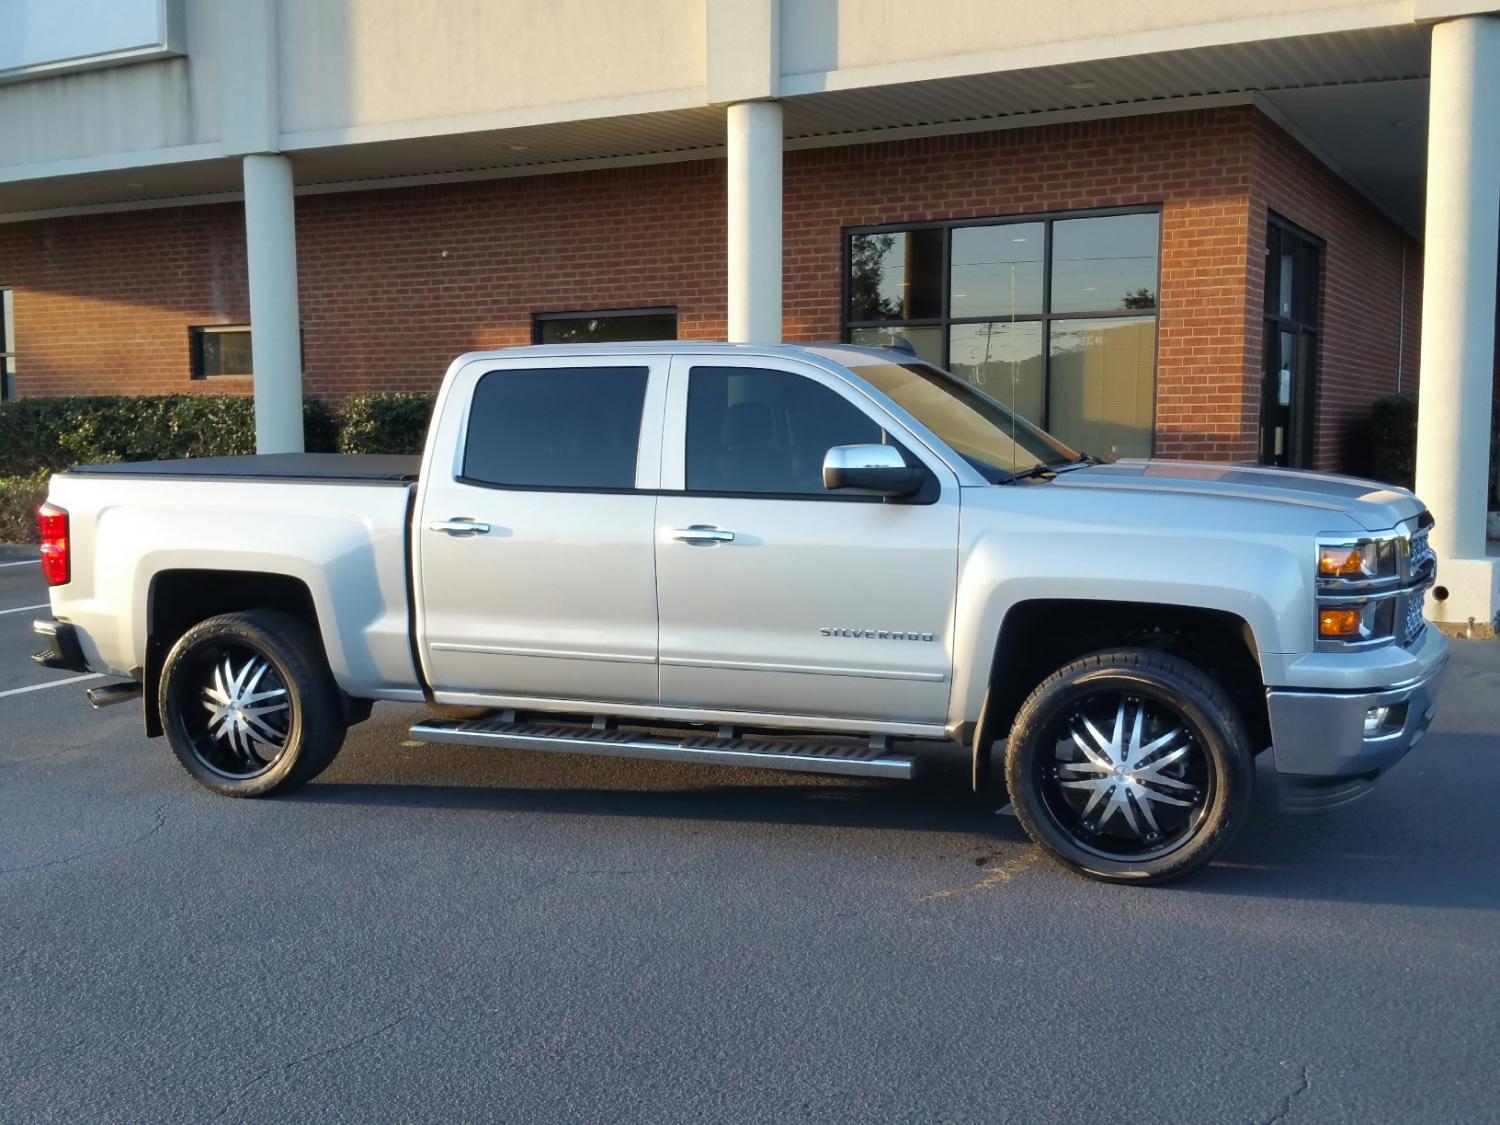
x=1318, y=738
x=63, y=650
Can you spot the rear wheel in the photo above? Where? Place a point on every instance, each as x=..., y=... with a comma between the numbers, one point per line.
x=1130, y=766
x=249, y=705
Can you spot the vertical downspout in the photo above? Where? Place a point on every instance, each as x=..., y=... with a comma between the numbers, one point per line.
x=1401, y=320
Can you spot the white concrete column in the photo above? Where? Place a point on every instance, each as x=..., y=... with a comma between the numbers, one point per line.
x=754, y=250
x=1458, y=311
x=275, y=332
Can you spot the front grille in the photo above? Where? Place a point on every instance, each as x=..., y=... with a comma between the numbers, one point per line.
x=1414, y=622
x=1423, y=557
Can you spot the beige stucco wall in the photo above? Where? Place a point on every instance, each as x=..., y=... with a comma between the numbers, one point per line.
x=137, y=107
x=352, y=63
x=840, y=35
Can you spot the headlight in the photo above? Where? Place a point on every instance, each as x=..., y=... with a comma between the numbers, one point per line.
x=1358, y=587
x=1356, y=561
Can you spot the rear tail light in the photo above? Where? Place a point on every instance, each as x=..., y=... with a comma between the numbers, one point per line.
x=52, y=521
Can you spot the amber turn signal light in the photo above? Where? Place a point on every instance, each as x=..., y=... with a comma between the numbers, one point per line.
x=1338, y=623
x=1344, y=562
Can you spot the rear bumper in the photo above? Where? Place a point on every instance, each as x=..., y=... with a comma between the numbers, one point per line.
x=1321, y=747
x=62, y=649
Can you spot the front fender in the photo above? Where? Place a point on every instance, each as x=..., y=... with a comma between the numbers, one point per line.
x=1263, y=583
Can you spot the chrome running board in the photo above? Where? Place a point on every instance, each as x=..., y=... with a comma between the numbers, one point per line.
x=851, y=758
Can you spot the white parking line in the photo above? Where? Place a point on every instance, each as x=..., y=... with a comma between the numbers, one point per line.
x=23, y=562
x=24, y=608
x=54, y=683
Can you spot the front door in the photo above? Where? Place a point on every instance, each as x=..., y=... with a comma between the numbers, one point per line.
x=775, y=594
x=534, y=553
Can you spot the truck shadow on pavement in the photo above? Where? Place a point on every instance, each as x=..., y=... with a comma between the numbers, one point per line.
x=922, y=807
x=1389, y=848
x=1419, y=839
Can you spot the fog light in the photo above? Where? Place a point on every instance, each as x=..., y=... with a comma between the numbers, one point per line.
x=1385, y=720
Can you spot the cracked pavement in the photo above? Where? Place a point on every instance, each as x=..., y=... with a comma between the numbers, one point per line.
x=446, y=933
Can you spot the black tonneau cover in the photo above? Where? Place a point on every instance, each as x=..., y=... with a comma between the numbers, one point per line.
x=333, y=468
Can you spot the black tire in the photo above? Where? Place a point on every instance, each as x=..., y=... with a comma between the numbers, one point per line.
x=1194, y=790
x=281, y=721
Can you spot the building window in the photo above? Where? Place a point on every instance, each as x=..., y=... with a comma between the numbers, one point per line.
x=603, y=327
x=220, y=351
x=1290, y=354
x=7, y=345
x=1053, y=315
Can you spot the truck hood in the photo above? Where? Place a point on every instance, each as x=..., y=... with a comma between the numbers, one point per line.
x=1373, y=506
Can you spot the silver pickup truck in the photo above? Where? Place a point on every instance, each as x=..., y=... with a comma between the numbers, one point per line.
x=826, y=558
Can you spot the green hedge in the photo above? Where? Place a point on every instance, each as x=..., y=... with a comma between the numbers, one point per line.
x=55, y=433
x=384, y=423
x=1393, y=440
x=39, y=436
x=19, y=497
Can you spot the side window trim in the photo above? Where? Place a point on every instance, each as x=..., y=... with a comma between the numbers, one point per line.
x=674, y=429
x=454, y=425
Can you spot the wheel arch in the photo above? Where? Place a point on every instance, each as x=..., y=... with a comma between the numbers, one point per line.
x=179, y=598
x=1038, y=636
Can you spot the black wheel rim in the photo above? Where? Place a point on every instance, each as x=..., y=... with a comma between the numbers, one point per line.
x=233, y=708
x=1125, y=775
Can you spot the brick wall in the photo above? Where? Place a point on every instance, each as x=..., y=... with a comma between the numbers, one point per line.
x=103, y=302
x=394, y=283
x=1197, y=166
x=1369, y=337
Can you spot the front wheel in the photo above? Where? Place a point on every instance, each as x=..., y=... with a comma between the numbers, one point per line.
x=249, y=704
x=1130, y=766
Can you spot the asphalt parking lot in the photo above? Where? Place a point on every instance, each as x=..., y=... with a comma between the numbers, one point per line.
x=444, y=933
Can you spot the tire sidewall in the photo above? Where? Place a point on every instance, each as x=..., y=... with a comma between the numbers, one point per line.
x=176, y=693
x=1220, y=735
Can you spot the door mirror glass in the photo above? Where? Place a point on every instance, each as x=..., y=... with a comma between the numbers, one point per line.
x=870, y=468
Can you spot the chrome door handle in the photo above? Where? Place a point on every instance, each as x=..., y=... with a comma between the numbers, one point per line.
x=459, y=527
x=700, y=534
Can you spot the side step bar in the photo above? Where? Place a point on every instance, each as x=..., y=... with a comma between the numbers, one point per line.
x=851, y=758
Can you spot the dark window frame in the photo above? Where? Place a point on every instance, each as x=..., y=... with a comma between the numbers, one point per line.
x=1046, y=317
x=197, y=332
x=7, y=341
x=540, y=318
x=462, y=476
x=1305, y=324
x=927, y=494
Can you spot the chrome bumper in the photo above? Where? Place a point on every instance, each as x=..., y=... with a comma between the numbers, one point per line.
x=1321, y=750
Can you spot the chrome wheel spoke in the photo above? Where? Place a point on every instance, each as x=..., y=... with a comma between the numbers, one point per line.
x=248, y=724
x=1149, y=816
x=1135, y=790
x=1094, y=759
x=1162, y=798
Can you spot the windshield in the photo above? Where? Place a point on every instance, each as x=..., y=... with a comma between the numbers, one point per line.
x=989, y=436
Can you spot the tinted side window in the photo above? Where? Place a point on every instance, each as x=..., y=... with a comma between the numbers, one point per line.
x=560, y=427
x=752, y=430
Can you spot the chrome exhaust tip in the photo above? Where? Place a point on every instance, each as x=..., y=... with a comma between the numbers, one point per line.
x=111, y=694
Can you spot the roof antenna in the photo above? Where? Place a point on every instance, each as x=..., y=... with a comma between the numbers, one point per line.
x=902, y=344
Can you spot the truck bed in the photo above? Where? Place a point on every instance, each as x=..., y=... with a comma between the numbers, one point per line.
x=326, y=468
x=335, y=524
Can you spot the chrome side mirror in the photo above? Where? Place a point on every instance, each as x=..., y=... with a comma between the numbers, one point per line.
x=870, y=468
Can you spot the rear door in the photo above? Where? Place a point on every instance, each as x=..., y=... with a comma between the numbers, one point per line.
x=533, y=545
x=777, y=595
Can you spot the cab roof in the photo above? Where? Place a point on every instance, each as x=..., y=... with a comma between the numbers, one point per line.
x=846, y=355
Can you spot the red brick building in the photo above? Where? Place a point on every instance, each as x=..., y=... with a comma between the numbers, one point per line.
x=1178, y=230
x=395, y=282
